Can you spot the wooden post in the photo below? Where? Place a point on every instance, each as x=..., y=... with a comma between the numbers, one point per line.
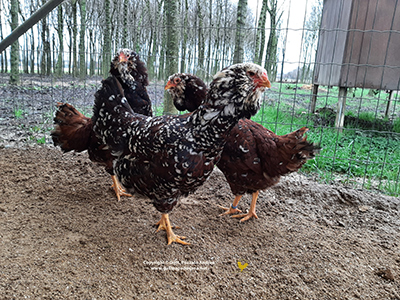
x=339, y=122
x=389, y=103
x=314, y=98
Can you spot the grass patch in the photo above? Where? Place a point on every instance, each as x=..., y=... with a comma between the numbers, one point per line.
x=365, y=158
x=19, y=113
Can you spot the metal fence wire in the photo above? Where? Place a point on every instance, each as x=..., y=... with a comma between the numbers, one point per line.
x=335, y=69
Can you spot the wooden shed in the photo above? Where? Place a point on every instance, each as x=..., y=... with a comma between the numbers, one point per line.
x=359, y=46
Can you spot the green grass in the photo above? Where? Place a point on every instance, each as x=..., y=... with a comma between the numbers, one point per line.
x=363, y=158
x=19, y=113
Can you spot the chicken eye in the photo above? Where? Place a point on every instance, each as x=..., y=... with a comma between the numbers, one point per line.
x=251, y=73
x=177, y=80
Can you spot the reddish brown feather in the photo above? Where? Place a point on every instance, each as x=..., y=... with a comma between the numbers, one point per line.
x=72, y=130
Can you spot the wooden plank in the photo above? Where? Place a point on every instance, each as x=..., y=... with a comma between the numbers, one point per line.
x=389, y=104
x=371, y=59
x=314, y=98
x=332, y=41
x=341, y=107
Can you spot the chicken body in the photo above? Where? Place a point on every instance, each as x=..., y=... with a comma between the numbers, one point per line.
x=167, y=157
x=254, y=158
x=74, y=131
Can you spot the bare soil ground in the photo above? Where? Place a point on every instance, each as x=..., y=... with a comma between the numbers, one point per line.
x=63, y=235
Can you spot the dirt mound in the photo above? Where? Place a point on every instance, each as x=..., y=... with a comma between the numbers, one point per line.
x=64, y=236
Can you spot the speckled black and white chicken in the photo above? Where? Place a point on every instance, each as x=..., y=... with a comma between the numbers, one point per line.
x=254, y=158
x=74, y=131
x=167, y=157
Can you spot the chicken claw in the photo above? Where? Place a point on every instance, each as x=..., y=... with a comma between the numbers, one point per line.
x=246, y=216
x=164, y=224
x=252, y=211
x=229, y=211
x=233, y=208
x=161, y=226
x=119, y=191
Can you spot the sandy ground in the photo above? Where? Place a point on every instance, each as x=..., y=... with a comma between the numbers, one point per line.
x=63, y=235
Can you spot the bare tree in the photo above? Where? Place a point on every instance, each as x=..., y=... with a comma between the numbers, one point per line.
x=106, y=39
x=310, y=41
x=172, y=50
x=240, y=22
x=14, y=76
x=184, y=33
x=3, y=56
x=260, y=34
x=60, y=33
x=82, y=62
x=74, y=37
x=272, y=45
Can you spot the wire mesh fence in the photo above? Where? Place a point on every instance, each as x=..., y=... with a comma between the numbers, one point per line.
x=363, y=153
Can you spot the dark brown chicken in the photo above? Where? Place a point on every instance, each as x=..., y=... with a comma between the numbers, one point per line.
x=254, y=158
x=167, y=157
x=187, y=91
x=74, y=131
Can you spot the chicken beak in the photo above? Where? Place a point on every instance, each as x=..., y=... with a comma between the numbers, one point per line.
x=122, y=57
x=263, y=81
x=169, y=85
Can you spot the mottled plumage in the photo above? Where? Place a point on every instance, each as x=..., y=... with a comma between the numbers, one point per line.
x=254, y=158
x=167, y=157
x=74, y=131
x=132, y=74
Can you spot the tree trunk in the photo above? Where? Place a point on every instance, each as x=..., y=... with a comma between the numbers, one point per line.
x=106, y=39
x=172, y=50
x=200, y=34
x=74, y=38
x=260, y=35
x=185, y=12
x=239, y=38
x=151, y=52
x=32, y=58
x=14, y=76
x=272, y=46
x=82, y=60
x=25, y=52
x=70, y=49
x=47, y=50
x=209, y=56
x=43, y=57
x=60, y=33
x=125, y=24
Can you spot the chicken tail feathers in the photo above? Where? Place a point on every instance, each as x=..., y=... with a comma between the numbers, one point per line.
x=297, y=150
x=72, y=129
x=112, y=115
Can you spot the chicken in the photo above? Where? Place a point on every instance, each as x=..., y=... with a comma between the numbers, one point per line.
x=167, y=157
x=254, y=158
x=74, y=131
x=187, y=91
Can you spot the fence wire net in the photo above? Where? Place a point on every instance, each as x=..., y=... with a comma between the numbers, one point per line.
x=363, y=154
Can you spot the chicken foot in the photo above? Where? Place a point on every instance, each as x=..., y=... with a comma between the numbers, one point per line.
x=233, y=208
x=119, y=191
x=252, y=211
x=164, y=224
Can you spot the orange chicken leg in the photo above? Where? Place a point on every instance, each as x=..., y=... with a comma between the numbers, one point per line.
x=252, y=211
x=119, y=191
x=233, y=208
x=164, y=224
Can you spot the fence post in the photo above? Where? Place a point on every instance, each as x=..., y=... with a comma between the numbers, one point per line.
x=339, y=121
